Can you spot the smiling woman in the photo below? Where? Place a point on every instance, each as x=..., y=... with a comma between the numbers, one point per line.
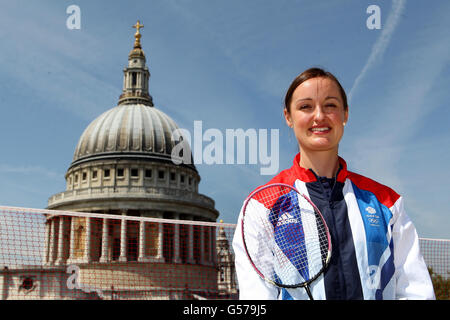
x=376, y=252
x=316, y=108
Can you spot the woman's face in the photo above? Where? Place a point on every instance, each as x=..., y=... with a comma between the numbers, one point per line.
x=317, y=115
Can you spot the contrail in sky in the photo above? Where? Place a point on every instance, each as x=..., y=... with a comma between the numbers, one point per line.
x=382, y=42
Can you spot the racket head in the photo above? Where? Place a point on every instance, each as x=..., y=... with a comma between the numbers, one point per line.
x=285, y=236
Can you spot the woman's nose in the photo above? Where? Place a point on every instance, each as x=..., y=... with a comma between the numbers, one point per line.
x=318, y=113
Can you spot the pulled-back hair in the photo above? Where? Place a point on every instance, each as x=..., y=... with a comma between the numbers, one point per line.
x=310, y=74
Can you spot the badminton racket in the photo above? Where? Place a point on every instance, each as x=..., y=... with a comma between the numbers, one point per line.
x=285, y=236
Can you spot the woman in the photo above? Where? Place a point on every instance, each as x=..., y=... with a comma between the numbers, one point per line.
x=375, y=246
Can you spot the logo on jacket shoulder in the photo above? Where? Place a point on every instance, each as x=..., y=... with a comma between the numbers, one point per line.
x=372, y=217
x=371, y=210
x=286, y=218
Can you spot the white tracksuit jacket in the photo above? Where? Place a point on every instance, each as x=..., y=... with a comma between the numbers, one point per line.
x=375, y=254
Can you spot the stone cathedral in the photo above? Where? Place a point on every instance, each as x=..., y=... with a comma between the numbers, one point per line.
x=122, y=167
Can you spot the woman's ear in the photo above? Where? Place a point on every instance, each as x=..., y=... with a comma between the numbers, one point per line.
x=287, y=117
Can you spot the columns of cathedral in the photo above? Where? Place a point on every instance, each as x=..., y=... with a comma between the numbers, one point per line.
x=160, y=242
x=47, y=243
x=104, y=257
x=52, y=249
x=80, y=248
x=213, y=246
x=142, y=237
x=60, y=252
x=87, y=258
x=190, y=242
x=123, y=238
x=72, y=240
x=176, y=240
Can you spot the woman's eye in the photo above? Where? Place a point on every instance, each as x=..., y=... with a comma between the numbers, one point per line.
x=304, y=106
x=331, y=105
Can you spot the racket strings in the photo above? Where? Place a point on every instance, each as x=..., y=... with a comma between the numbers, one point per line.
x=293, y=242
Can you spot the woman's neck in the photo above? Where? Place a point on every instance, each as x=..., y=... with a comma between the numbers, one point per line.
x=323, y=163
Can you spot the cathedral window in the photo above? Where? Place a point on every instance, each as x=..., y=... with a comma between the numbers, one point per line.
x=27, y=283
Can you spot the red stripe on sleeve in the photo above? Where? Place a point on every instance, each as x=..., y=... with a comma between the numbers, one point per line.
x=384, y=194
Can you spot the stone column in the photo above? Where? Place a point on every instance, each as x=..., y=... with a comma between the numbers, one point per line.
x=190, y=258
x=142, y=256
x=123, y=238
x=52, y=251
x=207, y=242
x=72, y=240
x=5, y=282
x=202, y=244
x=160, y=255
x=47, y=242
x=213, y=246
x=87, y=246
x=60, y=253
x=105, y=242
x=176, y=240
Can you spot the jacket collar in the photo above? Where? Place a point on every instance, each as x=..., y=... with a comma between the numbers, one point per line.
x=307, y=175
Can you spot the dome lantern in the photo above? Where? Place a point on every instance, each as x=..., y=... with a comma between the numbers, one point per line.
x=136, y=75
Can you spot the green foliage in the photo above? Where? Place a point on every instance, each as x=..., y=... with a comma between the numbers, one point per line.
x=441, y=286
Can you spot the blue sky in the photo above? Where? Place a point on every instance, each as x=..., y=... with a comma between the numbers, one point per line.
x=228, y=64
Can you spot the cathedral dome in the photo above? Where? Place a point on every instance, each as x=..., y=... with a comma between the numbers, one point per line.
x=130, y=130
x=134, y=129
x=123, y=160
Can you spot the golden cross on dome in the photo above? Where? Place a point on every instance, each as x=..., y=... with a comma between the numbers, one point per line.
x=137, y=26
x=137, y=35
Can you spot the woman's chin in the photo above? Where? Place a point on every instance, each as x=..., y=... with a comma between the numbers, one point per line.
x=319, y=147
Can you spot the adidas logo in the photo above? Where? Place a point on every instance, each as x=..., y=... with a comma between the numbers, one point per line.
x=285, y=219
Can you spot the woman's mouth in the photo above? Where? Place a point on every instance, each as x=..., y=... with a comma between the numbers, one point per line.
x=320, y=130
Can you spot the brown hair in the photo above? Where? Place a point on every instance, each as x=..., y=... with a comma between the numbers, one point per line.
x=310, y=74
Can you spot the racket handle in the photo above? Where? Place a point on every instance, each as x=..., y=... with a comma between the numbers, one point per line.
x=308, y=292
